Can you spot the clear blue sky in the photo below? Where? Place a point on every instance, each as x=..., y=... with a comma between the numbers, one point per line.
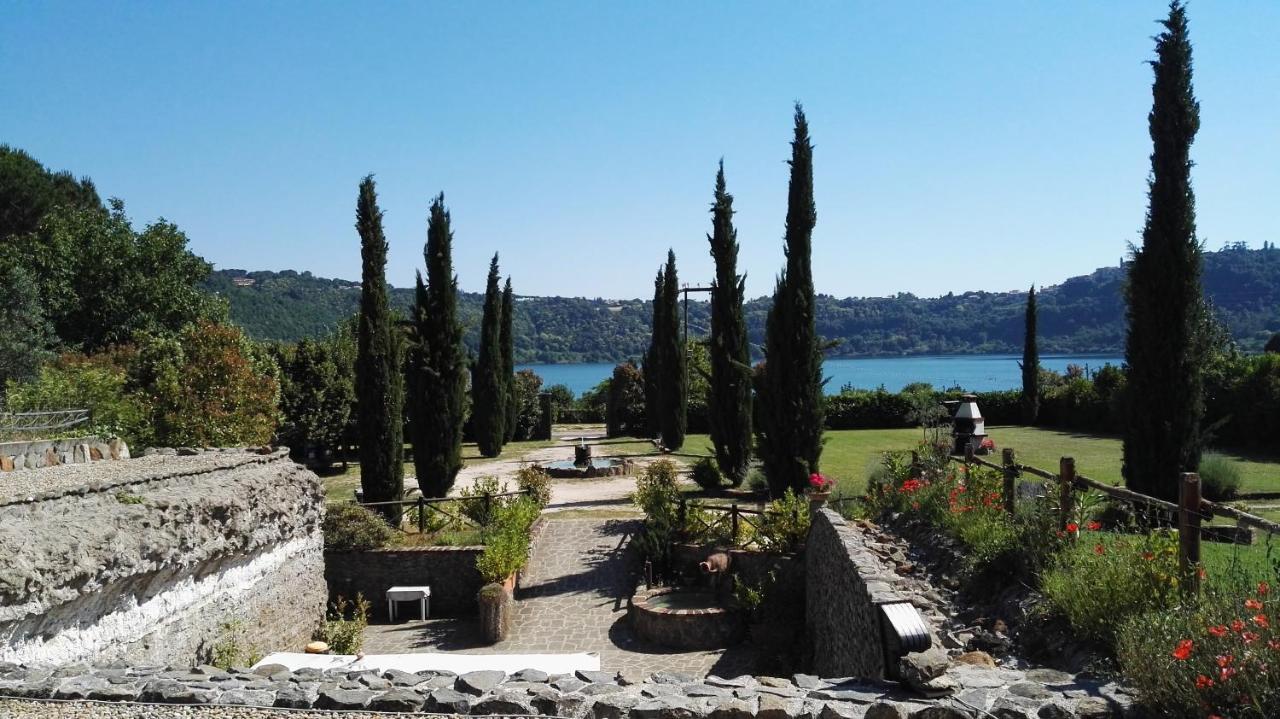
x=976, y=145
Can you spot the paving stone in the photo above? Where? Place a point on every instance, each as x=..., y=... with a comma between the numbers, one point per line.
x=400, y=678
x=841, y=710
x=745, y=681
x=267, y=670
x=296, y=696
x=79, y=687
x=674, y=678
x=531, y=675
x=614, y=706
x=670, y=707
x=1050, y=677
x=306, y=674
x=478, y=683
x=550, y=702
x=398, y=700
x=1029, y=690
x=1096, y=708
x=568, y=685
x=375, y=682
x=772, y=707
x=940, y=712
x=1054, y=711
x=808, y=681
x=593, y=677
x=593, y=690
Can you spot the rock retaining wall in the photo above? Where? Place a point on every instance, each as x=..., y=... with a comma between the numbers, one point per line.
x=38, y=454
x=159, y=559
x=1006, y=694
x=449, y=571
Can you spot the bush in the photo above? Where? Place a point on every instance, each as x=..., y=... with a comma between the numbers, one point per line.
x=659, y=498
x=756, y=481
x=785, y=524
x=231, y=649
x=707, y=474
x=350, y=526
x=97, y=384
x=1219, y=477
x=506, y=539
x=343, y=628
x=1101, y=581
x=537, y=482
x=474, y=503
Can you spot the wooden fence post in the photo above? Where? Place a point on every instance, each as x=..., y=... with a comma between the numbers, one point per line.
x=1189, y=531
x=1067, y=480
x=968, y=456
x=1010, y=480
x=733, y=525
x=682, y=513
x=422, y=515
x=915, y=464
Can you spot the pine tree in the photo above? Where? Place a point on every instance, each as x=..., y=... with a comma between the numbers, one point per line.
x=673, y=381
x=730, y=401
x=507, y=341
x=488, y=389
x=1166, y=306
x=653, y=362
x=380, y=390
x=1030, y=364
x=438, y=367
x=791, y=416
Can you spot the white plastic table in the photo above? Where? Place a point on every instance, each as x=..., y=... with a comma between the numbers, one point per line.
x=422, y=595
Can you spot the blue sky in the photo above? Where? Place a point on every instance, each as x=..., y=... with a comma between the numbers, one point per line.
x=977, y=145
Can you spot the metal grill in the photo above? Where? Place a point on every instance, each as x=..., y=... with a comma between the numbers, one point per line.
x=49, y=421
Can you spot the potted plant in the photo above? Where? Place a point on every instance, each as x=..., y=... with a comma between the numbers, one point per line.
x=819, y=490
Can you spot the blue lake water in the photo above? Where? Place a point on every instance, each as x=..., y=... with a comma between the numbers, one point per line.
x=977, y=373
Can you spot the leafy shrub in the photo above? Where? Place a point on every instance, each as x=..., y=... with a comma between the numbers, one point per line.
x=659, y=498
x=78, y=382
x=1100, y=581
x=231, y=649
x=537, y=482
x=756, y=481
x=350, y=526
x=707, y=474
x=784, y=527
x=474, y=503
x=1216, y=656
x=1219, y=477
x=343, y=628
x=506, y=538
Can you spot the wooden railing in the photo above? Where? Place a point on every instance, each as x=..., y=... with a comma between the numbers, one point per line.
x=735, y=515
x=438, y=504
x=1192, y=509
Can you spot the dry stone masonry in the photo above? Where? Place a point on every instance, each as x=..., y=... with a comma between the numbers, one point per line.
x=38, y=454
x=158, y=559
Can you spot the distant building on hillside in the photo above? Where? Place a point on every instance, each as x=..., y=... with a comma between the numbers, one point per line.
x=243, y=281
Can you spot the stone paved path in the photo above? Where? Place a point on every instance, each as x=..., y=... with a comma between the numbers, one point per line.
x=572, y=598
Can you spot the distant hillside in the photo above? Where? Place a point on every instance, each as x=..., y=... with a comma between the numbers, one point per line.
x=1083, y=314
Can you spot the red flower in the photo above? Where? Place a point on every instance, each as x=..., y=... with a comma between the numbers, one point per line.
x=1261, y=620
x=1252, y=604
x=1095, y=526
x=1099, y=549
x=1148, y=556
x=1073, y=527
x=1273, y=644
x=1237, y=625
x=1224, y=660
x=1226, y=673
x=1203, y=682
x=1218, y=631
x=1249, y=637
x=1183, y=651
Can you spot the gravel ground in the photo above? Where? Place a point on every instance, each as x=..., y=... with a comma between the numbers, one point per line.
x=18, y=709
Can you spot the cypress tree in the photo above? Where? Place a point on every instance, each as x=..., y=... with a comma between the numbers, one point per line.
x=1030, y=364
x=1166, y=306
x=380, y=391
x=674, y=378
x=791, y=416
x=488, y=389
x=438, y=368
x=730, y=401
x=653, y=362
x=507, y=341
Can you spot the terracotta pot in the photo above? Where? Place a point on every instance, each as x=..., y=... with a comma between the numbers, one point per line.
x=509, y=584
x=817, y=500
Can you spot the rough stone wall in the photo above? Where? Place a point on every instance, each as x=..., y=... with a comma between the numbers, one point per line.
x=38, y=454
x=449, y=571
x=149, y=560
x=845, y=584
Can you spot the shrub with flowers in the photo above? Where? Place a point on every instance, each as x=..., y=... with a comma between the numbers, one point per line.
x=819, y=484
x=1220, y=656
x=1101, y=580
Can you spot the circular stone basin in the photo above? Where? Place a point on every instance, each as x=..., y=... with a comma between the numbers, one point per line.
x=684, y=619
x=597, y=467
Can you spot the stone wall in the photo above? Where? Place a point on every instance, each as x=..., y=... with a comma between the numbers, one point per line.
x=845, y=585
x=155, y=560
x=37, y=454
x=449, y=571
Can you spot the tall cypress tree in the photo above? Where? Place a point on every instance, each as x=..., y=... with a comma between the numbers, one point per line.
x=673, y=381
x=653, y=362
x=438, y=367
x=1030, y=364
x=380, y=389
x=488, y=390
x=1165, y=302
x=507, y=341
x=730, y=401
x=791, y=416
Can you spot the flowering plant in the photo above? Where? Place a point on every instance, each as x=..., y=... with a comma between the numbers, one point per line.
x=819, y=483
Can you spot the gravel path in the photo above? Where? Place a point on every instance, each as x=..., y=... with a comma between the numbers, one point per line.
x=18, y=709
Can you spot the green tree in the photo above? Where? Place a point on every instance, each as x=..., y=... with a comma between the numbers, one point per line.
x=488, y=386
x=791, y=416
x=27, y=336
x=1165, y=303
x=672, y=383
x=653, y=360
x=730, y=401
x=316, y=398
x=526, y=386
x=1030, y=363
x=31, y=191
x=624, y=411
x=507, y=342
x=1273, y=344
x=379, y=383
x=438, y=367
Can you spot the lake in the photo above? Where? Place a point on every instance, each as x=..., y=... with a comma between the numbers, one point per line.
x=976, y=373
